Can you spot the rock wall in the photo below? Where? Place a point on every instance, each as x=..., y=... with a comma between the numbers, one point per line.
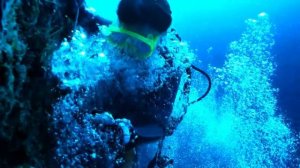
x=29, y=32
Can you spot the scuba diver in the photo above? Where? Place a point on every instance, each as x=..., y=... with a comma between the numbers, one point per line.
x=146, y=115
x=135, y=102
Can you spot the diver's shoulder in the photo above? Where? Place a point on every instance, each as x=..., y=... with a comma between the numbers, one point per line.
x=175, y=50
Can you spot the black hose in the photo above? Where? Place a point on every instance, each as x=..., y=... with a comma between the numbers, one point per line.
x=208, y=88
x=187, y=91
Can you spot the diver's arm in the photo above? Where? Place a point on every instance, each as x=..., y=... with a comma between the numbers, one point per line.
x=90, y=22
x=76, y=11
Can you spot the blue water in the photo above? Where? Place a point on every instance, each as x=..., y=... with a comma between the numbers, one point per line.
x=250, y=117
x=219, y=22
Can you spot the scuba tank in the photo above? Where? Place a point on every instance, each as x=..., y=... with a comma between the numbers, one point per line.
x=176, y=117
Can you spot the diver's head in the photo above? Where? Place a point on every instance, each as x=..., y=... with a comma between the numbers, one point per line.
x=155, y=14
x=141, y=23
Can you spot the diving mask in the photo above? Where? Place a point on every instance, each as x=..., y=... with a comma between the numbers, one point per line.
x=132, y=43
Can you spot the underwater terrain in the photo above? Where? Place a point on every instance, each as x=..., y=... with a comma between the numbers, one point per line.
x=49, y=65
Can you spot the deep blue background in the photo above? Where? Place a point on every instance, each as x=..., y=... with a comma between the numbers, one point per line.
x=215, y=23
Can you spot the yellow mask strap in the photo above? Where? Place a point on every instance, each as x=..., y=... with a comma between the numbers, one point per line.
x=150, y=40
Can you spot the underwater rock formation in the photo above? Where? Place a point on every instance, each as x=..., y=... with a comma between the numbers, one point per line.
x=29, y=32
